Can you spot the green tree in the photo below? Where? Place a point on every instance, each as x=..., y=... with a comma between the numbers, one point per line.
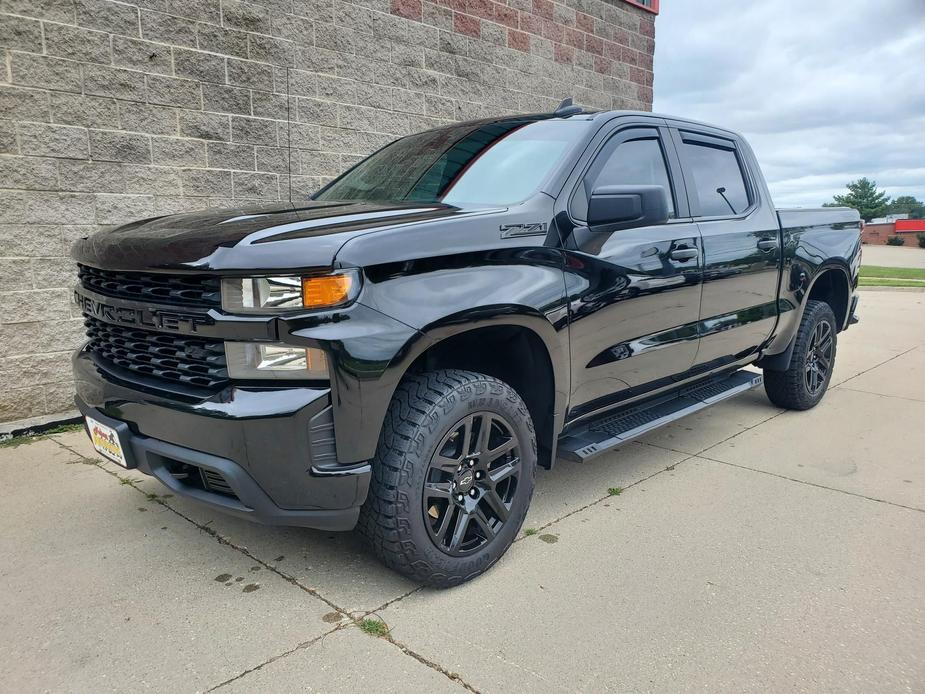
x=863, y=196
x=907, y=204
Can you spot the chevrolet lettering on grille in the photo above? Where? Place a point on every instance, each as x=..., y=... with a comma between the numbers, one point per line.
x=140, y=317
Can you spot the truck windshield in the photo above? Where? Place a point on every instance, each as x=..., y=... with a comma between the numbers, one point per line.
x=497, y=163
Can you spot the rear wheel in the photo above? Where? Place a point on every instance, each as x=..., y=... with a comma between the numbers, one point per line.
x=452, y=477
x=807, y=378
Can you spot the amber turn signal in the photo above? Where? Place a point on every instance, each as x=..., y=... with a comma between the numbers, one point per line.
x=326, y=290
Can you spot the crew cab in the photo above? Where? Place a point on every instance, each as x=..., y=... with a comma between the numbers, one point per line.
x=401, y=351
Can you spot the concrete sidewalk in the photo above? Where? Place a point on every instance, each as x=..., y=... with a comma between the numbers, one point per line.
x=750, y=550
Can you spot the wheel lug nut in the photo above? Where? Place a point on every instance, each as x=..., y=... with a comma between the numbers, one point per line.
x=459, y=497
x=459, y=469
x=479, y=475
x=473, y=493
x=471, y=463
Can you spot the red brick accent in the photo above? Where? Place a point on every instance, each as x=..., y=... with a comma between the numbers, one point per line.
x=480, y=8
x=629, y=56
x=573, y=37
x=594, y=44
x=647, y=26
x=585, y=22
x=518, y=40
x=467, y=24
x=612, y=51
x=531, y=23
x=544, y=8
x=621, y=36
x=409, y=9
x=552, y=31
x=505, y=15
x=640, y=76
x=563, y=54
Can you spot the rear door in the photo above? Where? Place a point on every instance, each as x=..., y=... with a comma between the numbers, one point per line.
x=634, y=293
x=741, y=245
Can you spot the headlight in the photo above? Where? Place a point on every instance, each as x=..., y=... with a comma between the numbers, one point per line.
x=274, y=361
x=278, y=294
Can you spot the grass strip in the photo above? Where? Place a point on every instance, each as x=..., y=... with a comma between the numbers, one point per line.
x=903, y=273
x=889, y=282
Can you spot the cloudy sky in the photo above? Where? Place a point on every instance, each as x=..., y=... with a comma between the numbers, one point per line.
x=826, y=91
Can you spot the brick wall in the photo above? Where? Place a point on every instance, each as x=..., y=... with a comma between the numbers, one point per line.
x=877, y=234
x=114, y=111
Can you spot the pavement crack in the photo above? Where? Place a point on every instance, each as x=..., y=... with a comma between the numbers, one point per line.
x=289, y=579
x=268, y=661
x=453, y=676
x=884, y=395
x=669, y=468
x=213, y=533
x=813, y=484
x=714, y=445
x=394, y=600
x=876, y=366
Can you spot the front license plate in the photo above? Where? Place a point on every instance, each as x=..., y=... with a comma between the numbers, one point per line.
x=106, y=441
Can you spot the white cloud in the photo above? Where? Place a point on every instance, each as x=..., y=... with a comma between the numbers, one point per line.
x=825, y=91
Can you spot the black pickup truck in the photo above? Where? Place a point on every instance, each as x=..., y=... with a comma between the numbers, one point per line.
x=400, y=352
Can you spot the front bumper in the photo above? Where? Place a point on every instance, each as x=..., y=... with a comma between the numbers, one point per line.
x=264, y=454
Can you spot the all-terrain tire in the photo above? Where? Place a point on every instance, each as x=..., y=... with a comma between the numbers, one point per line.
x=423, y=412
x=789, y=388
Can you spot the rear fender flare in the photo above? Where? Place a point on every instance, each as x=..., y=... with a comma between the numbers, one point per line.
x=781, y=360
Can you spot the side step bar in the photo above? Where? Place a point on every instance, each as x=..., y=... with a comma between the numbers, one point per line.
x=610, y=430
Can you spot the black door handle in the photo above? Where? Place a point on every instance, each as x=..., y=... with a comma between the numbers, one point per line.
x=683, y=254
x=768, y=244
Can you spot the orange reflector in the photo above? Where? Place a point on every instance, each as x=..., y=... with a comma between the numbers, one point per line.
x=327, y=290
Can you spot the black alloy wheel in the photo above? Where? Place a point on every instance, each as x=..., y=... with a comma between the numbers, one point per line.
x=805, y=380
x=819, y=358
x=471, y=483
x=452, y=477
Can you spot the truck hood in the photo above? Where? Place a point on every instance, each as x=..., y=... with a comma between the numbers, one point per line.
x=277, y=236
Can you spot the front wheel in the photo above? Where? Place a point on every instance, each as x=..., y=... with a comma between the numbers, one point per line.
x=452, y=477
x=807, y=378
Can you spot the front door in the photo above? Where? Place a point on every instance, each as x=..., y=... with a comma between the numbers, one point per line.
x=635, y=293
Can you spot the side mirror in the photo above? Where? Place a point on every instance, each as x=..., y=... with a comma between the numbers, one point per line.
x=623, y=207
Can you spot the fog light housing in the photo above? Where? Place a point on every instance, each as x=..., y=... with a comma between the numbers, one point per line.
x=274, y=361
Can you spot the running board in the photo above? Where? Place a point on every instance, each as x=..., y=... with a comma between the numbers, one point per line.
x=609, y=431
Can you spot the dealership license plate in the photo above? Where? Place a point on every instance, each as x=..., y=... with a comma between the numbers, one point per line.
x=106, y=440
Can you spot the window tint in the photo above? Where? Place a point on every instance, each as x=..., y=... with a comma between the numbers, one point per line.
x=718, y=179
x=636, y=162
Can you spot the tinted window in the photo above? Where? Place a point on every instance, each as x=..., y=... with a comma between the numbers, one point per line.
x=636, y=162
x=718, y=179
x=497, y=163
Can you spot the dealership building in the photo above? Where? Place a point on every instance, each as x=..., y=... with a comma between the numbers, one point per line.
x=116, y=111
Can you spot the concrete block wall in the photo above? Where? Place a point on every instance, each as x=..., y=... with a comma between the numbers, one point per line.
x=114, y=111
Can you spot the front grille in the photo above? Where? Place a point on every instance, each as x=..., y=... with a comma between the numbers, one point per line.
x=175, y=358
x=153, y=288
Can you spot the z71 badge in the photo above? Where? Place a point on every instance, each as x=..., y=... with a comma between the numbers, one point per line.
x=530, y=229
